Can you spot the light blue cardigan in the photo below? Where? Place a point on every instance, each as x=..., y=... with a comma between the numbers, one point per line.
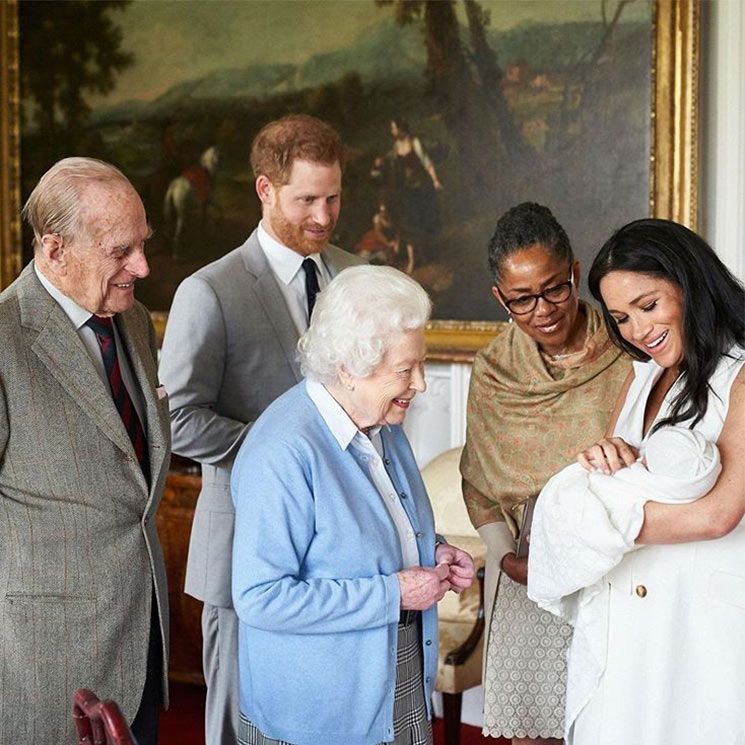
x=315, y=554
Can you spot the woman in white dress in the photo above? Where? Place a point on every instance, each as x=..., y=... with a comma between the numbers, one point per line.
x=673, y=668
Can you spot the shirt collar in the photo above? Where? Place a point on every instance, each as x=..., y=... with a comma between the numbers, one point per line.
x=342, y=427
x=72, y=310
x=284, y=262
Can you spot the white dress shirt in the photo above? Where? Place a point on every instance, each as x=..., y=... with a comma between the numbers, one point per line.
x=287, y=267
x=78, y=316
x=371, y=452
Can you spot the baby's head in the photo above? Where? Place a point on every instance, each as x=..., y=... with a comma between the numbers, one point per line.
x=678, y=452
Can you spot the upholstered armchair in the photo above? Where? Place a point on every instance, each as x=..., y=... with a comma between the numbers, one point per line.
x=461, y=617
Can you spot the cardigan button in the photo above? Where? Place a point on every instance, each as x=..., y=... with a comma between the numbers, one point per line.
x=428, y=642
x=402, y=495
x=641, y=591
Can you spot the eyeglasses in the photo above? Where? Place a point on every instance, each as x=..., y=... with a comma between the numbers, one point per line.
x=524, y=304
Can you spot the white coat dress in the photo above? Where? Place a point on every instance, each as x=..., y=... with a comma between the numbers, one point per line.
x=674, y=667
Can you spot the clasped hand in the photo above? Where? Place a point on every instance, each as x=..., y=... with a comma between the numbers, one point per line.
x=422, y=587
x=608, y=455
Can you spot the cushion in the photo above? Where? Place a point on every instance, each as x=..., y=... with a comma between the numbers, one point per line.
x=463, y=608
x=442, y=479
x=456, y=678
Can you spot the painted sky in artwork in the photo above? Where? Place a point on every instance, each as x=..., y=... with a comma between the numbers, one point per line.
x=175, y=40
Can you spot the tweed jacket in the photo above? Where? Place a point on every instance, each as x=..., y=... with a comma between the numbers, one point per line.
x=229, y=351
x=79, y=552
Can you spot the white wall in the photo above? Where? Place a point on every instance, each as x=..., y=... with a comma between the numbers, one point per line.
x=436, y=421
x=722, y=130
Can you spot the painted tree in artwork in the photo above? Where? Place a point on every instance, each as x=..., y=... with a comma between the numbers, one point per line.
x=466, y=83
x=68, y=49
x=456, y=91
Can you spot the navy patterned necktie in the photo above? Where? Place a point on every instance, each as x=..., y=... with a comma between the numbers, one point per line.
x=104, y=330
x=311, y=284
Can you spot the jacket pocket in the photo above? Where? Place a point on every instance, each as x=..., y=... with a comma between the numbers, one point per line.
x=48, y=597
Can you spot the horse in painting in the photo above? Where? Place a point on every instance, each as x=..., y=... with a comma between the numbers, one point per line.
x=188, y=198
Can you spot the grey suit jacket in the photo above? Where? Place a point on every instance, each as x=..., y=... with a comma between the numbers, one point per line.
x=229, y=351
x=79, y=552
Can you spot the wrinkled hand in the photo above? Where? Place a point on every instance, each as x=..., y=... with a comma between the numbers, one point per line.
x=422, y=587
x=608, y=455
x=462, y=570
x=516, y=569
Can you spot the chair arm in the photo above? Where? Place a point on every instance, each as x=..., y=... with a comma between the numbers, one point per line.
x=99, y=722
x=460, y=654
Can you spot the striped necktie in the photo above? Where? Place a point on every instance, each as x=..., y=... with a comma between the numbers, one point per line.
x=104, y=330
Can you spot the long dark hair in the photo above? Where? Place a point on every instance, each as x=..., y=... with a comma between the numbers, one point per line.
x=713, y=301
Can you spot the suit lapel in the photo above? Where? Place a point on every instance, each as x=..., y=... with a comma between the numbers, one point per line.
x=60, y=350
x=143, y=367
x=337, y=259
x=271, y=298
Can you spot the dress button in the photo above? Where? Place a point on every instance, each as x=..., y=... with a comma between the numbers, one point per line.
x=641, y=591
x=420, y=535
x=428, y=642
x=387, y=461
x=402, y=495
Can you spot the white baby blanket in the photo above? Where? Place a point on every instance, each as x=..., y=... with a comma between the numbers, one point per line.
x=584, y=522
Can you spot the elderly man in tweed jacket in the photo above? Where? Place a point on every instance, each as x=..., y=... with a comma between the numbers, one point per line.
x=84, y=450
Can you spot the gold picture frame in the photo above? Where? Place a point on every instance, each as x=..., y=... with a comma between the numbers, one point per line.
x=673, y=152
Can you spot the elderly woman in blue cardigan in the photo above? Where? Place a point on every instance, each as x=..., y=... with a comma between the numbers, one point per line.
x=336, y=566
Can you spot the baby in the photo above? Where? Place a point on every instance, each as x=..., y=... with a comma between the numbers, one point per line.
x=585, y=521
x=685, y=464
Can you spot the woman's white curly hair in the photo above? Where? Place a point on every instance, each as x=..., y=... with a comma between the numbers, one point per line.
x=355, y=319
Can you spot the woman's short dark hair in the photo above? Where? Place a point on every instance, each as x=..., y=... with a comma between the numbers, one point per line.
x=523, y=226
x=713, y=301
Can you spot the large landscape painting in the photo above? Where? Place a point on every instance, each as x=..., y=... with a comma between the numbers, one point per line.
x=452, y=112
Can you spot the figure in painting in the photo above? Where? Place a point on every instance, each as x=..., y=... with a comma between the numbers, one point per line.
x=410, y=180
x=382, y=244
x=188, y=199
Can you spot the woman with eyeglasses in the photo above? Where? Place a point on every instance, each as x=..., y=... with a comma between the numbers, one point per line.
x=541, y=391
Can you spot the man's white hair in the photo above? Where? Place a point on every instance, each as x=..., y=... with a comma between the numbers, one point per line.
x=54, y=206
x=357, y=317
